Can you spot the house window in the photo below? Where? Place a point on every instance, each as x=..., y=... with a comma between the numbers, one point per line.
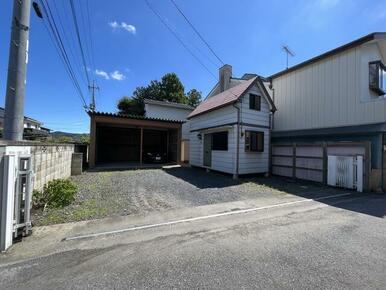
x=220, y=141
x=254, y=102
x=254, y=141
x=377, y=77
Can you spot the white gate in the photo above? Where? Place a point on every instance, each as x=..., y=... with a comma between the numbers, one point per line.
x=345, y=171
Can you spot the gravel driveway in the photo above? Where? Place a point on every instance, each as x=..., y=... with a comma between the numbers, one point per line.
x=110, y=193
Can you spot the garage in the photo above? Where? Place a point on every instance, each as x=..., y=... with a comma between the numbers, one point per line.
x=133, y=140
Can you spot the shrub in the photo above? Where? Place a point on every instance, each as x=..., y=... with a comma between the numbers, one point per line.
x=56, y=193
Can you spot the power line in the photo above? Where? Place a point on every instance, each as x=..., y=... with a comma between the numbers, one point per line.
x=58, y=43
x=79, y=39
x=90, y=33
x=70, y=47
x=178, y=38
x=196, y=31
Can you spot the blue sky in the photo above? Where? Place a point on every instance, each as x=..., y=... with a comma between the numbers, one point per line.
x=132, y=47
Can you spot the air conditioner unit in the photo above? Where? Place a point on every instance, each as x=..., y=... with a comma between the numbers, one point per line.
x=345, y=172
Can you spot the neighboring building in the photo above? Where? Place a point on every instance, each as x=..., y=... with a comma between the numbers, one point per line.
x=32, y=128
x=172, y=111
x=337, y=96
x=230, y=130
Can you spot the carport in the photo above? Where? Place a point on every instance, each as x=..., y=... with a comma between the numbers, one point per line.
x=123, y=140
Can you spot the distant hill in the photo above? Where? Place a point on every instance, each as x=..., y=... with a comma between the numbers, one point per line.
x=69, y=137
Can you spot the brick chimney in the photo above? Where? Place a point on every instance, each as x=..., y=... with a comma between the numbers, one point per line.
x=225, y=74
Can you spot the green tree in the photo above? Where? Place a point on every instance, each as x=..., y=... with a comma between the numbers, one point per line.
x=194, y=98
x=169, y=88
x=131, y=106
x=65, y=139
x=85, y=138
x=172, y=89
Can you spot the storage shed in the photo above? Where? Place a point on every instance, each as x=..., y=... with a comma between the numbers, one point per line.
x=123, y=140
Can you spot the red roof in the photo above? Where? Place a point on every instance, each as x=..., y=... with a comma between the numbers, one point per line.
x=224, y=98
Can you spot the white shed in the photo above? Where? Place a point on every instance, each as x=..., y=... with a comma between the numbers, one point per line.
x=172, y=111
x=230, y=131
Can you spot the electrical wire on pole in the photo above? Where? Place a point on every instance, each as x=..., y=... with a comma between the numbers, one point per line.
x=196, y=31
x=54, y=34
x=179, y=39
x=73, y=12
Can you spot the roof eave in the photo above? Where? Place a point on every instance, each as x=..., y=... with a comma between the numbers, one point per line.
x=357, y=42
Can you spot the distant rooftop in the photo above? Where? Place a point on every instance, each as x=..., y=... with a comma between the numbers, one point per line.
x=25, y=117
x=168, y=104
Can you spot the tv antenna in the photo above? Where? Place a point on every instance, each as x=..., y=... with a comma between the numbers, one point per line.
x=288, y=52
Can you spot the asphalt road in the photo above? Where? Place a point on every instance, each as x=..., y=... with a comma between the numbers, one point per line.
x=339, y=243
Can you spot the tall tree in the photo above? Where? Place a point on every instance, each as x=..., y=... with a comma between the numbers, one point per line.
x=131, y=106
x=169, y=88
x=194, y=98
x=172, y=89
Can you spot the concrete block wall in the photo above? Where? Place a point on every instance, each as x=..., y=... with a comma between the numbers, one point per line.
x=50, y=161
x=76, y=164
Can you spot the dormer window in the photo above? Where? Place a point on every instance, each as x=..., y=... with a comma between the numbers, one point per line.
x=377, y=77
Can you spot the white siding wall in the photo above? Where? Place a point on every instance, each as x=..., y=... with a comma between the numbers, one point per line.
x=221, y=160
x=164, y=112
x=217, y=117
x=332, y=92
x=225, y=161
x=254, y=162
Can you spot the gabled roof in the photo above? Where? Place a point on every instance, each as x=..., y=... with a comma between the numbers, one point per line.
x=128, y=116
x=168, y=104
x=230, y=96
x=357, y=42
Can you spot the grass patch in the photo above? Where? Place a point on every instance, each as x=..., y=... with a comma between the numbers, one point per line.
x=89, y=209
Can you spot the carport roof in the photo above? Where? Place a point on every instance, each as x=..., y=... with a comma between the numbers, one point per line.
x=128, y=116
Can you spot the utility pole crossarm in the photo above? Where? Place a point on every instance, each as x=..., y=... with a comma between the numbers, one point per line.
x=92, y=89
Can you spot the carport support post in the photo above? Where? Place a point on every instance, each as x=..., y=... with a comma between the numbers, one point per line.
x=140, y=148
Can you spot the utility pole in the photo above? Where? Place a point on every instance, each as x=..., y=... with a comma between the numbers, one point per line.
x=17, y=64
x=92, y=89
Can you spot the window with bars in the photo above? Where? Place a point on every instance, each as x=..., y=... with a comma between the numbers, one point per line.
x=254, y=141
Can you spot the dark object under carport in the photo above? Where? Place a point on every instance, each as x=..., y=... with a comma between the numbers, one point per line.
x=116, y=138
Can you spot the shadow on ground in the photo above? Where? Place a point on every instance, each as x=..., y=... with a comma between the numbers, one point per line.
x=373, y=204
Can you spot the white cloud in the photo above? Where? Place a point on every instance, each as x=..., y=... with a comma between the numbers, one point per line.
x=123, y=25
x=116, y=75
x=102, y=74
x=114, y=24
x=130, y=28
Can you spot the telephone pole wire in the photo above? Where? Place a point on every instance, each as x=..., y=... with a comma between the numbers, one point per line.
x=17, y=66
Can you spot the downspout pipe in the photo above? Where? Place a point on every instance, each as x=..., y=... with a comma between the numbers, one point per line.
x=271, y=128
x=236, y=174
